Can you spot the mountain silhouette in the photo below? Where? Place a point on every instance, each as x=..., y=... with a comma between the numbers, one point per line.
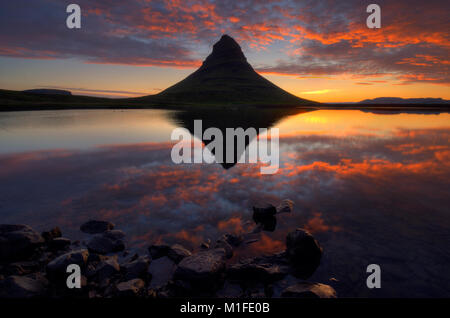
x=226, y=78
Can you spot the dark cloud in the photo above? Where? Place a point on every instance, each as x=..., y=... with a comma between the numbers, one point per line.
x=319, y=37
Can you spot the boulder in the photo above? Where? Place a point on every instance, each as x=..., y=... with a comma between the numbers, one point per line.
x=108, y=242
x=95, y=227
x=162, y=270
x=309, y=290
x=106, y=269
x=137, y=268
x=202, y=270
x=177, y=252
x=249, y=271
x=303, y=252
x=52, y=234
x=158, y=250
x=58, y=266
x=130, y=288
x=58, y=244
x=18, y=242
x=22, y=287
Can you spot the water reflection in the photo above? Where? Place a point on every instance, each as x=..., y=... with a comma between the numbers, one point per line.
x=372, y=188
x=223, y=119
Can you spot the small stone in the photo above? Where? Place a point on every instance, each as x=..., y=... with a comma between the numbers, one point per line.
x=22, y=287
x=95, y=227
x=303, y=252
x=177, y=253
x=106, y=243
x=158, y=250
x=106, y=269
x=59, y=265
x=137, y=268
x=18, y=242
x=52, y=234
x=309, y=290
x=161, y=270
x=202, y=269
x=130, y=288
x=59, y=243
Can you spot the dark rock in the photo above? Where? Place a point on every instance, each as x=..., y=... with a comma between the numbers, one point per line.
x=130, y=288
x=114, y=235
x=58, y=266
x=233, y=240
x=265, y=217
x=21, y=268
x=257, y=272
x=161, y=270
x=222, y=243
x=202, y=269
x=303, y=252
x=106, y=269
x=137, y=268
x=52, y=234
x=108, y=242
x=58, y=244
x=177, y=252
x=158, y=250
x=18, y=242
x=22, y=287
x=309, y=290
x=95, y=226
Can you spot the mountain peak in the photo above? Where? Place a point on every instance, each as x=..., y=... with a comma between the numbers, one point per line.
x=224, y=51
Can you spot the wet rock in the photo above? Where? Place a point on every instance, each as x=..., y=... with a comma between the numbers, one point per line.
x=162, y=271
x=309, y=290
x=21, y=268
x=58, y=266
x=18, y=242
x=52, y=234
x=106, y=269
x=22, y=287
x=202, y=269
x=58, y=244
x=265, y=217
x=177, y=252
x=95, y=227
x=158, y=250
x=108, y=242
x=136, y=268
x=249, y=271
x=233, y=240
x=222, y=243
x=303, y=252
x=130, y=288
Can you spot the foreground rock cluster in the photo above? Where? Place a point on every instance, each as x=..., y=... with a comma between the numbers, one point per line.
x=34, y=265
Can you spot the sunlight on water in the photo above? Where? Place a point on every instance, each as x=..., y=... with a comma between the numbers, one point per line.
x=372, y=187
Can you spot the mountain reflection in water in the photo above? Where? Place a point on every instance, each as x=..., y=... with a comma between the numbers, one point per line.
x=372, y=188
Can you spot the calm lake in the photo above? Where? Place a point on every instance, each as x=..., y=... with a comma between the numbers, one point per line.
x=372, y=187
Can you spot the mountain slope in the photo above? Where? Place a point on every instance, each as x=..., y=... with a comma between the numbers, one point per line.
x=226, y=78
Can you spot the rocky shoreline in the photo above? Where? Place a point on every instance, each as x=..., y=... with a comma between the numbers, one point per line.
x=35, y=265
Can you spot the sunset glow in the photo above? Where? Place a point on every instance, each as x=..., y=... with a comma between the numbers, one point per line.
x=318, y=50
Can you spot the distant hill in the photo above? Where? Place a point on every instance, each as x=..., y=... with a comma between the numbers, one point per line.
x=226, y=78
x=399, y=101
x=48, y=91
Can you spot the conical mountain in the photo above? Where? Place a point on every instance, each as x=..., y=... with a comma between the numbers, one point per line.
x=226, y=78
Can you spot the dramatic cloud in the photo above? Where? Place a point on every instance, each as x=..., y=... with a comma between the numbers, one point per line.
x=316, y=37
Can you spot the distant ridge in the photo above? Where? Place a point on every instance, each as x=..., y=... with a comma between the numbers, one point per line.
x=48, y=91
x=226, y=78
x=398, y=100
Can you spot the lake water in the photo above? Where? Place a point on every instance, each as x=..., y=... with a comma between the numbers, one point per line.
x=372, y=187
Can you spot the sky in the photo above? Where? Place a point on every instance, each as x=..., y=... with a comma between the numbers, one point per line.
x=319, y=50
